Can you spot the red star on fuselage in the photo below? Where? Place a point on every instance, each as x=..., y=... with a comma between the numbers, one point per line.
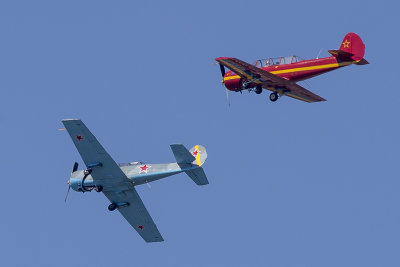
x=144, y=168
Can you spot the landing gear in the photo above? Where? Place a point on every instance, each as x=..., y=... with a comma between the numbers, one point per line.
x=258, y=90
x=112, y=207
x=87, y=171
x=273, y=96
x=98, y=188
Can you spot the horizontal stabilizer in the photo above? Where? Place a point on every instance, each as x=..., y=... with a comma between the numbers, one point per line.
x=362, y=62
x=340, y=54
x=198, y=176
x=182, y=155
x=343, y=55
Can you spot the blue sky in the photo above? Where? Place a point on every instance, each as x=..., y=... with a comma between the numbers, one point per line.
x=291, y=183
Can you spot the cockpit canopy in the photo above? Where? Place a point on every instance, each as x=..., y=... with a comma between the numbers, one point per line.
x=130, y=163
x=277, y=61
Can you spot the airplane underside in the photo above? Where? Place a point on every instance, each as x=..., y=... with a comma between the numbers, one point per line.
x=82, y=181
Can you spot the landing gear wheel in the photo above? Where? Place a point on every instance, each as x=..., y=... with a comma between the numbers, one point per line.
x=98, y=188
x=112, y=207
x=273, y=96
x=258, y=90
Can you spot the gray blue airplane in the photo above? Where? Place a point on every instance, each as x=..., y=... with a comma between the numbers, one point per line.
x=118, y=181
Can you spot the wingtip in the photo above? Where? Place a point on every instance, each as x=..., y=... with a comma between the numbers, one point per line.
x=175, y=144
x=156, y=239
x=70, y=120
x=221, y=58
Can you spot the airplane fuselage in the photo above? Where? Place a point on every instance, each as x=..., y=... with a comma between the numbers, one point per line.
x=138, y=174
x=295, y=72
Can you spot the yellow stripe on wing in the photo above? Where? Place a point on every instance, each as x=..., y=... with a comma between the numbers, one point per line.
x=299, y=98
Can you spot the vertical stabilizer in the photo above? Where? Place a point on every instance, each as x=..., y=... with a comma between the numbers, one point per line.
x=353, y=44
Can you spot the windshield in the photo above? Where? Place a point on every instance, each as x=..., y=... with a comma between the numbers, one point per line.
x=277, y=61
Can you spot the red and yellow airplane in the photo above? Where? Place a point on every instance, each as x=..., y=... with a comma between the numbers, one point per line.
x=280, y=75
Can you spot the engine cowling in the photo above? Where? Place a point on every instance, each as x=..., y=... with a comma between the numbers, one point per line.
x=234, y=84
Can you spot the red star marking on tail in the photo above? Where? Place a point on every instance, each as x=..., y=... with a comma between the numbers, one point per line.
x=195, y=153
x=144, y=168
x=141, y=227
x=346, y=44
x=79, y=137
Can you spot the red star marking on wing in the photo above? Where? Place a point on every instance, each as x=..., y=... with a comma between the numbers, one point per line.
x=79, y=137
x=195, y=153
x=144, y=168
x=141, y=227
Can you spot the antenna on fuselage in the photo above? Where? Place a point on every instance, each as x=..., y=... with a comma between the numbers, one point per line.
x=69, y=188
x=319, y=53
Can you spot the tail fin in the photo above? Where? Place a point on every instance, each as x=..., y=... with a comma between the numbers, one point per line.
x=195, y=156
x=351, y=48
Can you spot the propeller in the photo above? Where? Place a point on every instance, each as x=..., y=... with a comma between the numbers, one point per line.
x=227, y=97
x=74, y=169
x=222, y=68
x=69, y=188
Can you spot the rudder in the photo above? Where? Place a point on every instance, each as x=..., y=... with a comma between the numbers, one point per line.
x=352, y=48
x=200, y=153
x=353, y=44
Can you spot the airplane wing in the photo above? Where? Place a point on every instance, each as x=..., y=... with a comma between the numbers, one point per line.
x=268, y=80
x=116, y=186
x=136, y=214
x=109, y=174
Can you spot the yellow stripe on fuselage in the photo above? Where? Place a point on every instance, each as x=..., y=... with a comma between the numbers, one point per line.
x=317, y=67
x=196, y=148
x=231, y=77
x=235, y=69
